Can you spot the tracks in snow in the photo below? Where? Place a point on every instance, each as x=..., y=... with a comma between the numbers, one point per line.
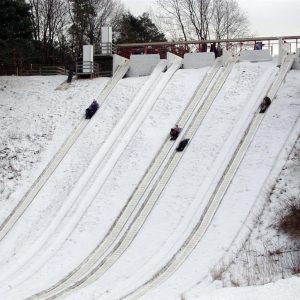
x=214, y=201
x=18, y=211
x=95, y=261
x=97, y=173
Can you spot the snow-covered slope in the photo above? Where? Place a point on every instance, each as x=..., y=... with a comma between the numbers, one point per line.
x=167, y=226
x=172, y=107
x=46, y=117
x=35, y=120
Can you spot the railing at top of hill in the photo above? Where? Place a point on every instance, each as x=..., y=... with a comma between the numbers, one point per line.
x=87, y=68
x=181, y=47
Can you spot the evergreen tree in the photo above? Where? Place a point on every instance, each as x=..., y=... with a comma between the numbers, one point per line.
x=149, y=32
x=15, y=30
x=138, y=30
x=15, y=23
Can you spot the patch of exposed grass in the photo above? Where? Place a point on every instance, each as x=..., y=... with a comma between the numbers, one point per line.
x=289, y=218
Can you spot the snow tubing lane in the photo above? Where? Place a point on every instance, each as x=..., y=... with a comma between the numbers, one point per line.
x=18, y=211
x=141, y=217
x=157, y=92
x=197, y=233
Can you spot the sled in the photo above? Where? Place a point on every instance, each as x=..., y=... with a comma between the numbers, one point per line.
x=182, y=145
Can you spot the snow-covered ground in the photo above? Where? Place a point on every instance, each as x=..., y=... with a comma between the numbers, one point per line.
x=35, y=119
x=288, y=289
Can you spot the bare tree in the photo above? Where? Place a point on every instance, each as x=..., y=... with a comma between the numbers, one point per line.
x=199, y=12
x=116, y=16
x=192, y=17
x=36, y=20
x=103, y=10
x=48, y=19
x=88, y=16
x=173, y=11
x=204, y=19
x=228, y=20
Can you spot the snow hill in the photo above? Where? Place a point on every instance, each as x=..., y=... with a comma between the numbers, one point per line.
x=57, y=238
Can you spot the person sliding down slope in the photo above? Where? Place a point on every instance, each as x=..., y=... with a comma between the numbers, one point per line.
x=175, y=132
x=265, y=104
x=91, y=110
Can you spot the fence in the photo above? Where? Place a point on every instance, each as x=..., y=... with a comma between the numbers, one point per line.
x=31, y=69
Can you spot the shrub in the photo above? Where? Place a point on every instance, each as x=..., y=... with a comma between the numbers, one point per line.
x=289, y=219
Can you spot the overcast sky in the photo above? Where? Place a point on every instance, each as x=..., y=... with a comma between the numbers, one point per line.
x=267, y=17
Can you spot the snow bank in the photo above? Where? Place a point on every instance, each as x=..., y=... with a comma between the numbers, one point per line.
x=142, y=65
x=255, y=55
x=287, y=289
x=198, y=60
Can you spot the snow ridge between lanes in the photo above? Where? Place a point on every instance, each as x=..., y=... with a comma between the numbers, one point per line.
x=229, y=150
x=188, y=112
x=58, y=157
x=85, y=178
x=209, y=183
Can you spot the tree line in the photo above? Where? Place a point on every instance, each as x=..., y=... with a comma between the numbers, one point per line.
x=203, y=19
x=54, y=31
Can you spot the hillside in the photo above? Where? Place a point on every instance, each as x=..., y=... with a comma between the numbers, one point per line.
x=60, y=229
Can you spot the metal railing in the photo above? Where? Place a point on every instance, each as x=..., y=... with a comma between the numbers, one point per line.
x=104, y=49
x=87, y=68
x=235, y=45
